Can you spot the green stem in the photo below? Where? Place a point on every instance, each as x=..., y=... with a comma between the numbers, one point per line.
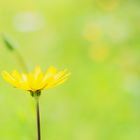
x=21, y=60
x=13, y=47
x=38, y=119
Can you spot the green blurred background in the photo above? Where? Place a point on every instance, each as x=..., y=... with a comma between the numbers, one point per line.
x=98, y=41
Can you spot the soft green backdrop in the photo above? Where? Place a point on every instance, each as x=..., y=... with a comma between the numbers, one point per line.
x=98, y=41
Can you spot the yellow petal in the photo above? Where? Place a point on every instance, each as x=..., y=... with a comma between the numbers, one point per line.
x=61, y=74
x=59, y=78
x=16, y=75
x=37, y=72
x=48, y=77
x=23, y=82
x=10, y=79
x=36, y=80
x=59, y=82
x=51, y=70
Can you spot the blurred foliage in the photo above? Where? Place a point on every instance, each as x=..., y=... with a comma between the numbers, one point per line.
x=98, y=41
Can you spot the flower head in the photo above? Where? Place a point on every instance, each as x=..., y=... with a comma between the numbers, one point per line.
x=36, y=80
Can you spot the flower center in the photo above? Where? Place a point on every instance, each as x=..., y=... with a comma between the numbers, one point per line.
x=36, y=93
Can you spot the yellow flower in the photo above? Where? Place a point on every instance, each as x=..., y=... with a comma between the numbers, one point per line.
x=37, y=80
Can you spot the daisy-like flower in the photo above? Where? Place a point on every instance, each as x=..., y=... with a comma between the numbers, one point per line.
x=36, y=81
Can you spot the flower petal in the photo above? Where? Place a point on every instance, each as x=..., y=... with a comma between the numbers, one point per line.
x=24, y=83
x=36, y=80
x=10, y=79
x=16, y=75
x=58, y=79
